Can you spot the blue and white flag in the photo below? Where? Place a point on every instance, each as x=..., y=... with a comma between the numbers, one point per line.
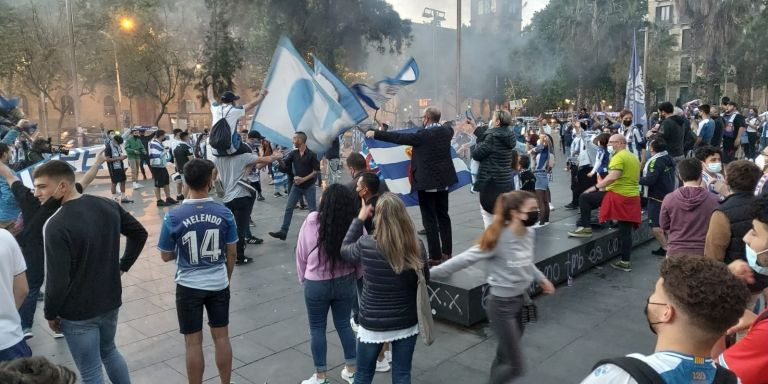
x=635, y=95
x=314, y=102
x=80, y=159
x=386, y=89
x=394, y=167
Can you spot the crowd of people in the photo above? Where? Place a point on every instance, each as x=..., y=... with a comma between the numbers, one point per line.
x=358, y=253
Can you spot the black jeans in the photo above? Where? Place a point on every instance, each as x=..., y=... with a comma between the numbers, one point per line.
x=241, y=209
x=35, y=276
x=505, y=315
x=588, y=202
x=437, y=223
x=625, y=240
x=580, y=182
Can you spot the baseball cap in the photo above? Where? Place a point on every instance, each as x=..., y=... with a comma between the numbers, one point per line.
x=229, y=96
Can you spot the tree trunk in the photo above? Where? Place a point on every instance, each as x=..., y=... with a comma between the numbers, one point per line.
x=163, y=106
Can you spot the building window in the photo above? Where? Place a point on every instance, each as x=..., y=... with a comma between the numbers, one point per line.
x=109, y=106
x=686, y=69
x=687, y=42
x=685, y=95
x=189, y=106
x=67, y=105
x=483, y=7
x=664, y=14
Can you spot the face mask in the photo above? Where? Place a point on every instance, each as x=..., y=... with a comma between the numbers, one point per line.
x=533, y=218
x=760, y=161
x=752, y=260
x=647, y=318
x=611, y=150
x=715, y=167
x=627, y=123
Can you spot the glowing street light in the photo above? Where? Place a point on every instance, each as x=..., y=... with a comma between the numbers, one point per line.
x=126, y=23
x=567, y=101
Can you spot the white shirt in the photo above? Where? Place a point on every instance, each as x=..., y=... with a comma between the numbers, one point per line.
x=11, y=264
x=701, y=125
x=231, y=169
x=674, y=368
x=232, y=113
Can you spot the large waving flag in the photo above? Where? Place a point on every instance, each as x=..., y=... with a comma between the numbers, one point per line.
x=314, y=102
x=394, y=167
x=384, y=90
x=635, y=94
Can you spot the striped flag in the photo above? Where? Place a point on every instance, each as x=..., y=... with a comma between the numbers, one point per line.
x=635, y=93
x=393, y=162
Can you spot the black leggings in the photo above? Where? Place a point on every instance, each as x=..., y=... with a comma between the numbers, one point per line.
x=489, y=194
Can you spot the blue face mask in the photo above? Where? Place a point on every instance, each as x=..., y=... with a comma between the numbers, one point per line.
x=752, y=260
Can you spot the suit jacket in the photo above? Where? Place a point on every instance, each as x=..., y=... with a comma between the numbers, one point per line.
x=431, y=162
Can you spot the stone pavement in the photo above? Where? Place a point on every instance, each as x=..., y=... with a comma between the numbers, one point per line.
x=600, y=315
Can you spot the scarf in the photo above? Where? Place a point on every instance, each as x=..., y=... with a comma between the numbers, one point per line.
x=647, y=164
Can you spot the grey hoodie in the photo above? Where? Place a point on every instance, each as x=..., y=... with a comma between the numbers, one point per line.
x=510, y=266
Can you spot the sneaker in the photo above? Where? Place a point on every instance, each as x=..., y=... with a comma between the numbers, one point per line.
x=27, y=333
x=581, y=232
x=278, y=235
x=179, y=197
x=277, y=194
x=660, y=252
x=347, y=376
x=126, y=200
x=243, y=261
x=422, y=232
x=539, y=225
x=252, y=223
x=571, y=206
x=260, y=198
x=254, y=240
x=171, y=201
x=137, y=185
x=622, y=266
x=161, y=203
x=383, y=366
x=388, y=356
x=353, y=324
x=58, y=335
x=551, y=207
x=315, y=380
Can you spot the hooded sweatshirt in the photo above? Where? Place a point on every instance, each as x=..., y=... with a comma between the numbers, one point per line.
x=685, y=217
x=673, y=131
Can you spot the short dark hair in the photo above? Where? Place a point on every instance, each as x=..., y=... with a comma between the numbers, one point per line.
x=198, y=173
x=177, y=131
x=4, y=148
x=667, y=107
x=706, y=291
x=702, y=153
x=371, y=181
x=183, y=135
x=525, y=161
x=742, y=175
x=301, y=135
x=705, y=108
x=733, y=103
x=433, y=114
x=658, y=144
x=35, y=369
x=110, y=132
x=55, y=169
x=356, y=161
x=159, y=133
x=725, y=100
x=689, y=169
x=118, y=139
x=602, y=139
x=760, y=209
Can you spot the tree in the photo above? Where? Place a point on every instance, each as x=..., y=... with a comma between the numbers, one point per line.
x=222, y=52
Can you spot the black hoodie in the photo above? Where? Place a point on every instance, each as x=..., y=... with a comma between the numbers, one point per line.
x=673, y=131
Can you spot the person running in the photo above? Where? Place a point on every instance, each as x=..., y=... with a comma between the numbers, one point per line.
x=390, y=257
x=201, y=236
x=507, y=247
x=328, y=280
x=83, y=288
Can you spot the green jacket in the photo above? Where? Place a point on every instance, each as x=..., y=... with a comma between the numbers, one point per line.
x=134, y=148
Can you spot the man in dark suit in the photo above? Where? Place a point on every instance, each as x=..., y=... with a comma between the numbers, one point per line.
x=432, y=173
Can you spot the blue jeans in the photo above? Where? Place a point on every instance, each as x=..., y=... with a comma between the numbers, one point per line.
x=35, y=277
x=336, y=294
x=356, y=303
x=92, y=342
x=402, y=357
x=20, y=349
x=293, y=197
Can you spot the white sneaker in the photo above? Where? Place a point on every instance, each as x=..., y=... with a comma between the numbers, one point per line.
x=315, y=380
x=346, y=376
x=551, y=207
x=382, y=366
x=353, y=324
x=137, y=185
x=58, y=335
x=388, y=356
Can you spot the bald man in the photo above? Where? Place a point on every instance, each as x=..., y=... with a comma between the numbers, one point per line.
x=618, y=196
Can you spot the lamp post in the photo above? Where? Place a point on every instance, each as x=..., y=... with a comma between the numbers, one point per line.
x=437, y=16
x=118, y=122
x=73, y=64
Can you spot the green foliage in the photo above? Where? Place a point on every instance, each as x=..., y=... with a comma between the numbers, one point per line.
x=222, y=52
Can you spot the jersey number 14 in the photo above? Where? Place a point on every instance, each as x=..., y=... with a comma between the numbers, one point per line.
x=209, y=248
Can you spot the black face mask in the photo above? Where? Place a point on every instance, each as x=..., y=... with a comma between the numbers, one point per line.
x=533, y=218
x=627, y=123
x=648, y=319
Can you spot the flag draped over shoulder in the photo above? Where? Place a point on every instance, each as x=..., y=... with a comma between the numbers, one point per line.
x=382, y=91
x=394, y=167
x=635, y=94
x=314, y=102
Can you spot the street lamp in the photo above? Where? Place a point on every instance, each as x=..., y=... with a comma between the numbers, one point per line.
x=437, y=16
x=118, y=123
x=127, y=24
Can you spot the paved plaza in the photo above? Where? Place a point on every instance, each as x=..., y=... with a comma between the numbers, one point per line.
x=600, y=315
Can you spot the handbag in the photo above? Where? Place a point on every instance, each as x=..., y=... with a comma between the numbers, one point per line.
x=424, y=310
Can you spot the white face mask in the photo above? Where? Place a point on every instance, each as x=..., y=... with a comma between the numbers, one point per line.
x=715, y=167
x=760, y=161
x=611, y=150
x=752, y=260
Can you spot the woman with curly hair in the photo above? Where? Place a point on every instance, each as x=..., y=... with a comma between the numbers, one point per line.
x=329, y=281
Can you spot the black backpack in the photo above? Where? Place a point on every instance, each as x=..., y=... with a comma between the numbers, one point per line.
x=222, y=138
x=644, y=374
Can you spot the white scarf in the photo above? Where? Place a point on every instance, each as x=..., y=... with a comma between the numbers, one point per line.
x=647, y=164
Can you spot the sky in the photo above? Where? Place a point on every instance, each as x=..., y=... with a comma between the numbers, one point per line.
x=412, y=9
